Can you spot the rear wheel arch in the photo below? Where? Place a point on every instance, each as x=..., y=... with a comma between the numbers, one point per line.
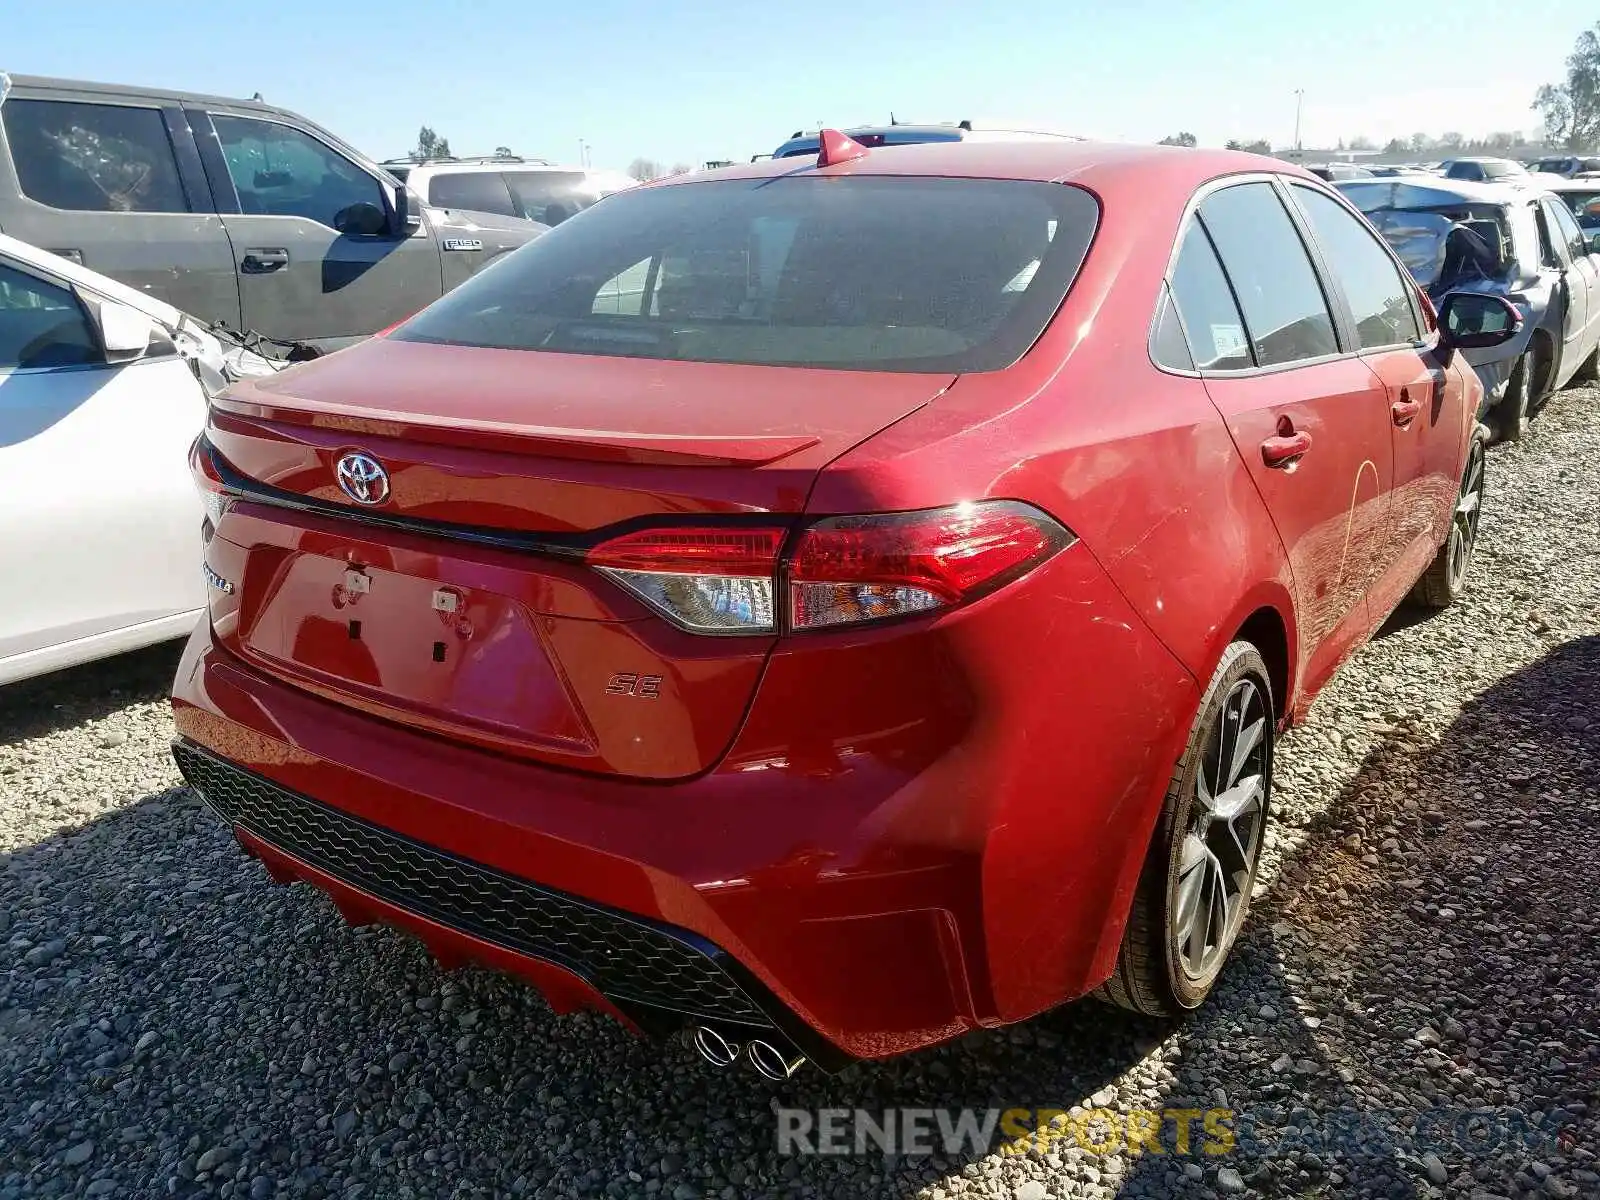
x=1265, y=630
x=1543, y=347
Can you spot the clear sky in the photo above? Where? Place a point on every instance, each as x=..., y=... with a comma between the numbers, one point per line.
x=701, y=79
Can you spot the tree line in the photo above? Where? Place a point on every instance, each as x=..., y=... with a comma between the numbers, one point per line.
x=1569, y=108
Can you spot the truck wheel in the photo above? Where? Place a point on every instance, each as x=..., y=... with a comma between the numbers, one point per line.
x=1195, y=888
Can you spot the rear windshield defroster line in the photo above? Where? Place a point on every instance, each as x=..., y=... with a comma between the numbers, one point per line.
x=879, y=273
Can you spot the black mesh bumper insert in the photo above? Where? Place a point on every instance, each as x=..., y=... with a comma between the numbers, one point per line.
x=625, y=957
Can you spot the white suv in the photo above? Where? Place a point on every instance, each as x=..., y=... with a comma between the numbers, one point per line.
x=527, y=188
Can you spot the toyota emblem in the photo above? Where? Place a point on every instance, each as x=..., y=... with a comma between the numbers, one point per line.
x=363, y=478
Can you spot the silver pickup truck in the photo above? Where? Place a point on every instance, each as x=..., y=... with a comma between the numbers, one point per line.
x=235, y=211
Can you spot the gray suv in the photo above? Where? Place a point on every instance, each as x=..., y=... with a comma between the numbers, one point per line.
x=233, y=210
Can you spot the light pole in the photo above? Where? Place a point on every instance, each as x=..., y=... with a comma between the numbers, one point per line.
x=1299, y=101
x=583, y=153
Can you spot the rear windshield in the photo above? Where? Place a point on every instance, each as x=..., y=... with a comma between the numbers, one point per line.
x=866, y=273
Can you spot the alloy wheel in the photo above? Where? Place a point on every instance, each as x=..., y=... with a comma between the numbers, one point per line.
x=1217, y=856
x=1464, y=524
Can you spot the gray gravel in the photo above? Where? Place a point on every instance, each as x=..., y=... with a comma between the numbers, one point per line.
x=1428, y=943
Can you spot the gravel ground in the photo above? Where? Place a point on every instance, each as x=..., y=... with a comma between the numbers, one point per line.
x=1429, y=943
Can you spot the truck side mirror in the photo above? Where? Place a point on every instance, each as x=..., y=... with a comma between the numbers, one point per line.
x=405, y=218
x=361, y=219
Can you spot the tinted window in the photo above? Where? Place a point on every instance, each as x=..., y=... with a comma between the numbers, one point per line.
x=550, y=197
x=1211, y=320
x=93, y=157
x=1380, y=298
x=41, y=324
x=281, y=172
x=480, y=191
x=1567, y=229
x=1465, y=170
x=1284, y=309
x=871, y=273
x=1585, y=206
x=1169, y=347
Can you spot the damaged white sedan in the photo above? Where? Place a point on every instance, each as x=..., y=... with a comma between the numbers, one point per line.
x=102, y=391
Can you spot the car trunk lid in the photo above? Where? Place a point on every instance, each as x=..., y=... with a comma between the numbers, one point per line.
x=459, y=602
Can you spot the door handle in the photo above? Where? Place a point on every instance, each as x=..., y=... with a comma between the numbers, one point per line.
x=1405, y=409
x=1285, y=449
x=263, y=262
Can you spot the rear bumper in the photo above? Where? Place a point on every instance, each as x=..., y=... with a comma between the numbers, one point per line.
x=946, y=836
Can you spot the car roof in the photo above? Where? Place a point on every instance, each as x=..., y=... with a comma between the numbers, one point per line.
x=470, y=166
x=1098, y=166
x=1436, y=191
x=905, y=134
x=122, y=89
x=1578, y=184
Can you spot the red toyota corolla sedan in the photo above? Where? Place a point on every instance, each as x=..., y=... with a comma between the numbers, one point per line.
x=833, y=607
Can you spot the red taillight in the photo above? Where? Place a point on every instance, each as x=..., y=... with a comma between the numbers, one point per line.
x=693, y=551
x=843, y=570
x=850, y=569
x=207, y=481
x=708, y=579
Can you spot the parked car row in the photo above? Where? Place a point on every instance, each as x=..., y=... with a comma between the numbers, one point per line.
x=693, y=614
x=234, y=211
x=731, y=616
x=1522, y=243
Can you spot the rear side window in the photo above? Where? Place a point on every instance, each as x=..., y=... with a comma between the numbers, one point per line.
x=93, y=157
x=1205, y=302
x=1379, y=296
x=1169, y=348
x=1585, y=206
x=550, y=197
x=1285, y=312
x=864, y=272
x=280, y=171
x=41, y=324
x=479, y=191
x=1567, y=229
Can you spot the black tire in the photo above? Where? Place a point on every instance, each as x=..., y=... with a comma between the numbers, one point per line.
x=1588, y=370
x=1442, y=583
x=1153, y=974
x=1510, y=415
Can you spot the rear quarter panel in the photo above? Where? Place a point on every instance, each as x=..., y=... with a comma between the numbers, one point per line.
x=1139, y=464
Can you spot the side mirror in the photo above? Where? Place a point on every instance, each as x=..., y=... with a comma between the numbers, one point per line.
x=361, y=219
x=1594, y=243
x=405, y=218
x=126, y=334
x=1474, y=321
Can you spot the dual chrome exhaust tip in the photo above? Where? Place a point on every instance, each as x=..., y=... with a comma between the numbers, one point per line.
x=767, y=1059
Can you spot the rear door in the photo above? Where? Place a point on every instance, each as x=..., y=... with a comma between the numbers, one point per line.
x=115, y=183
x=1308, y=417
x=1583, y=279
x=1555, y=263
x=281, y=190
x=95, y=495
x=1426, y=403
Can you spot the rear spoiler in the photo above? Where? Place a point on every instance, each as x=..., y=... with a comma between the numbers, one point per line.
x=592, y=445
